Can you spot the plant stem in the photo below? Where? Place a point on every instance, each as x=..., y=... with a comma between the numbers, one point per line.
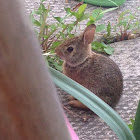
x=44, y=22
x=48, y=36
x=62, y=32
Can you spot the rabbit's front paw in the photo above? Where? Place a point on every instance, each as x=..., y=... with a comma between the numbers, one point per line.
x=71, y=98
x=76, y=103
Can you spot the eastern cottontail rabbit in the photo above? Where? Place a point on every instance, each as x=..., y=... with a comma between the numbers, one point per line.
x=94, y=71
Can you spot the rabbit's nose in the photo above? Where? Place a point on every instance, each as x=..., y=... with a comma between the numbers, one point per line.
x=58, y=52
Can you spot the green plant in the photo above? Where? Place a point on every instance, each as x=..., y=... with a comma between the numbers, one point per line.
x=102, y=47
x=52, y=35
x=127, y=26
x=131, y=124
x=136, y=125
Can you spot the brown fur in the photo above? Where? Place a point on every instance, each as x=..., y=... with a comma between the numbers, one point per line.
x=94, y=71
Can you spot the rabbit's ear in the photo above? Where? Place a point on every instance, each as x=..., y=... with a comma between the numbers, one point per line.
x=88, y=34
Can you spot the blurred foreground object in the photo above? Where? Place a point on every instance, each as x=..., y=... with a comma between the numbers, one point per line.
x=29, y=107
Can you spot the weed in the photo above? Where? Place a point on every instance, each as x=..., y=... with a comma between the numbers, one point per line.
x=127, y=27
x=131, y=124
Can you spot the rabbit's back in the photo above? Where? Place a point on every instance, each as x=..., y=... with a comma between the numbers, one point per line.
x=100, y=75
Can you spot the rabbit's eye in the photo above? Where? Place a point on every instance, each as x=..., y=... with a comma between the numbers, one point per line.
x=70, y=49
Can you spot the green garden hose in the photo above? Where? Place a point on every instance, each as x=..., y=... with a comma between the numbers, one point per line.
x=105, y=3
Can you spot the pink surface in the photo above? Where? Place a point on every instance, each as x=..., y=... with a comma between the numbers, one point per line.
x=72, y=132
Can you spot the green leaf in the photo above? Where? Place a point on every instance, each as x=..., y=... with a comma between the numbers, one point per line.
x=97, y=46
x=91, y=18
x=122, y=23
x=108, y=29
x=45, y=36
x=68, y=10
x=63, y=26
x=114, y=3
x=102, y=47
x=130, y=26
x=58, y=67
x=43, y=0
x=108, y=10
x=94, y=103
x=137, y=24
x=75, y=14
x=37, y=12
x=136, y=127
x=131, y=16
x=42, y=8
x=84, y=17
x=59, y=19
x=90, y=22
x=131, y=125
x=70, y=28
x=82, y=9
x=108, y=49
x=97, y=14
x=62, y=35
x=71, y=35
x=54, y=62
x=52, y=27
x=34, y=21
x=55, y=44
x=122, y=15
x=100, y=28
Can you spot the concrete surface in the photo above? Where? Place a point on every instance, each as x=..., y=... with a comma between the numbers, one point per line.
x=127, y=56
